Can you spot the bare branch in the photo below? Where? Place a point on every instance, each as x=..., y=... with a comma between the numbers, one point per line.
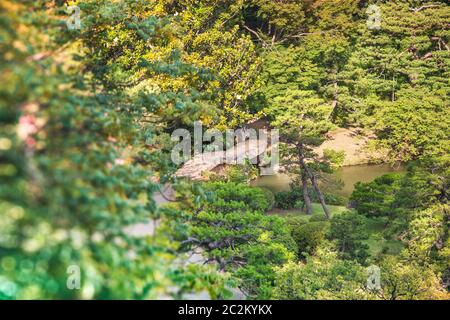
x=424, y=7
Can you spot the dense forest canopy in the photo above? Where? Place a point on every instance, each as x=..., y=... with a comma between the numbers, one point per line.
x=87, y=111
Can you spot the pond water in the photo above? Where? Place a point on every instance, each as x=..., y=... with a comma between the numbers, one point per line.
x=348, y=176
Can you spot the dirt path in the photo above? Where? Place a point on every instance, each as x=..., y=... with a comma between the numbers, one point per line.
x=352, y=143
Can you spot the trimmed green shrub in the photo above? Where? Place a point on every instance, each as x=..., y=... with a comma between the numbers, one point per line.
x=287, y=199
x=317, y=218
x=308, y=235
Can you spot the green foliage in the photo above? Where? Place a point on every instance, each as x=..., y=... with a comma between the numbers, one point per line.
x=326, y=68
x=396, y=79
x=85, y=123
x=278, y=19
x=407, y=127
x=416, y=204
x=393, y=81
x=428, y=238
x=75, y=163
x=210, y=37
x=348, y=231
x=240, y=173
x=234, y=232
x=287, y=199
x=228, y=194
x=308, y=235
x=397, y=196
x=375, y=198
x=270, y=198
x=291, y=199
x=401, y=280
x=336, y=158
x=426, y=183
x=334, y=199
x=317, y=218
x=323, y=276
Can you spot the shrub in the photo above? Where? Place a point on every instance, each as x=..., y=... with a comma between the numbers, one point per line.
x=317, y=218
x=334, y=199
x=241, y=173
x=287, y=199
x=307, y=235
x=290, y=199
x=226, y=194
x=270, y=197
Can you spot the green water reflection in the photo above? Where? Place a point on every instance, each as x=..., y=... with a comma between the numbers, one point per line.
x=349, y=176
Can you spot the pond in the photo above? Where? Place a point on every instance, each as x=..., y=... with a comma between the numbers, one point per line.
x=348, y=175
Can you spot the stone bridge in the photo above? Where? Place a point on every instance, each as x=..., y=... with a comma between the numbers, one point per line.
x=250, y=149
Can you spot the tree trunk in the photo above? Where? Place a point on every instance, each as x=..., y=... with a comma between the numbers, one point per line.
x=335, y=94
x=306, y=198
x=320, y=196
x=316, y=187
